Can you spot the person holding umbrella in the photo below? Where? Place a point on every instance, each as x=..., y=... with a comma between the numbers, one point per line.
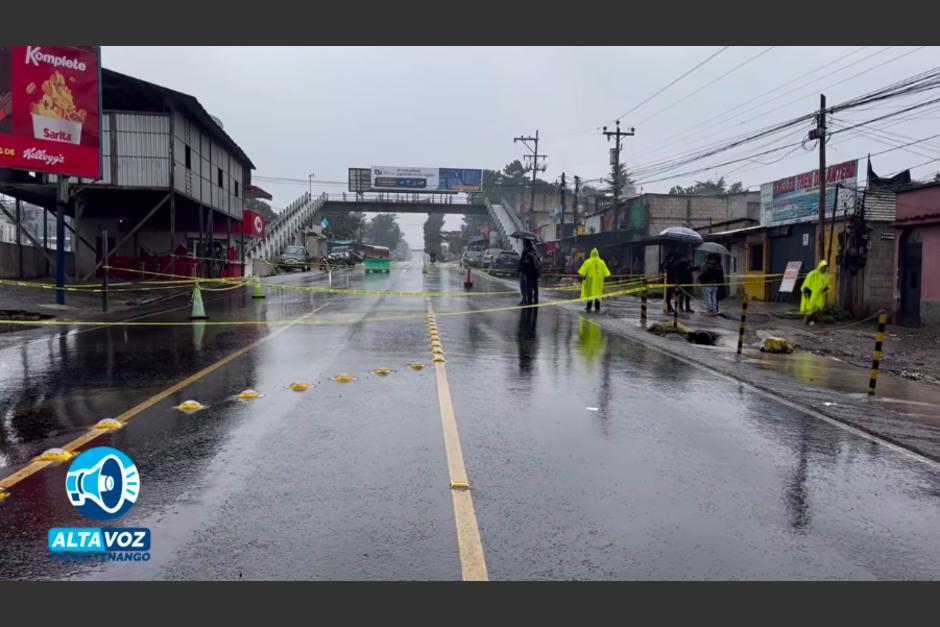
x=530, y=267
x=711, y=277
x=593, y=272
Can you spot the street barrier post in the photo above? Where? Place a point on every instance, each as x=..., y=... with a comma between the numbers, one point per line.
x=876, y=356
x=743, y=324
x=643, y=304
x=104, y=270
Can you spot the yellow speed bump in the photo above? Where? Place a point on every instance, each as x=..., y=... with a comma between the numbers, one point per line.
x=189, y=406
x=416, y=365
x=439, y=360
x=437, y=350
x=109, y=423
x=299, y=387
x=54, y=455
x=248, y=394
x=459, y=485
x=344, y=378
x=4, y=493
x=382, y=372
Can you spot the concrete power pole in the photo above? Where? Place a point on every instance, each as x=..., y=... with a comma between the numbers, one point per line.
x=562, y=192
x=535, y=156
x=574, y=210
x=616, y=183
x=819, y=133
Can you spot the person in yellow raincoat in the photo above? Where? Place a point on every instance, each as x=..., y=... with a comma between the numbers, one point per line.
x=815, y=287
x=593, y=272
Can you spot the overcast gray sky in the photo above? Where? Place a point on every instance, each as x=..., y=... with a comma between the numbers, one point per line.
x=323, y=110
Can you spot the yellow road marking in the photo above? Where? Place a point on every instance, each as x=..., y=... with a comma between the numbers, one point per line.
x=472, y=562
x=34, y=467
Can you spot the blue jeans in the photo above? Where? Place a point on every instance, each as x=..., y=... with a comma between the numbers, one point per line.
x=710, y=294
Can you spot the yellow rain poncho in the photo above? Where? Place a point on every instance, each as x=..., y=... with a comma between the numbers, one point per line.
x=817, y=282
x=594, y=271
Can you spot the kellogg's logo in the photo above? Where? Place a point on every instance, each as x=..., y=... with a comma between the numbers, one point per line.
x=35, y=154
x=35, y=55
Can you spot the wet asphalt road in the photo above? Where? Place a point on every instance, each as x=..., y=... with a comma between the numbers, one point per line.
x=590, y=456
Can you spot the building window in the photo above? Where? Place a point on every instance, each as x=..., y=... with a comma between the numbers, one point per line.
x=220, y=177
x=189, y=158
x=755, y=257
x=235, y=183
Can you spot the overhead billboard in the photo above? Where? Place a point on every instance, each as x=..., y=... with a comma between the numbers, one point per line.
x=50, y=109
x=404, y=179
x=796, y=198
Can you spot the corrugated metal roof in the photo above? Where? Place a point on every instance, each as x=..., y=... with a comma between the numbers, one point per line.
x=880, y=205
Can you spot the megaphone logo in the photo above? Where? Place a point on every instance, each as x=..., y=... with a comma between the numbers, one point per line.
x=102, y=483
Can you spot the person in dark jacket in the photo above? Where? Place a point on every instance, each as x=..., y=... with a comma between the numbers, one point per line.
x=668, y=267
x=529, y=271
x=684, y=278
x=711, y=277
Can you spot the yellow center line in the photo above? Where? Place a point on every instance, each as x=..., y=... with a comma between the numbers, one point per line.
x=35, y=466
x=470, y=546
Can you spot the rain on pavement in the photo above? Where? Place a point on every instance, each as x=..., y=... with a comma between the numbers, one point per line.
x=590, y=456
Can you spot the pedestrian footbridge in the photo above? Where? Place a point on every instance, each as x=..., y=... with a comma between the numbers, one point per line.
x=288, y=227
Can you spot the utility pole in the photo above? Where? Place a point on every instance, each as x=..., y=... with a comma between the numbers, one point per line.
x=535, y=156
x=616, y=183
x=310, y=179
x=819, y=133
x=577, y=187
x=562, y=191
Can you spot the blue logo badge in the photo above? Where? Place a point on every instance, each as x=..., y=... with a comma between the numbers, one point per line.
x=102, y=483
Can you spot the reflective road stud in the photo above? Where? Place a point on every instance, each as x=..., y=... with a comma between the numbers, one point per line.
x=743, y=323
x=55, y=455
x=876, y=357
x=108, y=423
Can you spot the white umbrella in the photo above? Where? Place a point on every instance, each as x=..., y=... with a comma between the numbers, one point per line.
x=714, y=247
x=681, y=234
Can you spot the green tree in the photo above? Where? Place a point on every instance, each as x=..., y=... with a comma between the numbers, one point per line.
x=936, y=177
x=259, y=206
x=709, y=187
x=346, y=224
x=383, y=230
x=432, y=234
x=619, y=179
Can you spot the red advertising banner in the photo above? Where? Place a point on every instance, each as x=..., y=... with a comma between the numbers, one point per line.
x=50, y=109
x=253, y=223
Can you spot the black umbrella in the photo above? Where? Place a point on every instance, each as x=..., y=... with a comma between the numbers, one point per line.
x=525, y=235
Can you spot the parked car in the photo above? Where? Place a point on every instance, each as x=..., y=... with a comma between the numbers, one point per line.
x=505, y=262
x=488, y=255
x=295, y=258
x=472, y=258
x=342, y=257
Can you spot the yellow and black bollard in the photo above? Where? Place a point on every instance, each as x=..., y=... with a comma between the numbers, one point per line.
x=675, y=310
x=743, y=324
x=876, y=356
x=643, y=304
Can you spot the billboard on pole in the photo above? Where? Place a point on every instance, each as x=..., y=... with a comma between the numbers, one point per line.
x=50, y=109
x=407, y=179
x=796, y=198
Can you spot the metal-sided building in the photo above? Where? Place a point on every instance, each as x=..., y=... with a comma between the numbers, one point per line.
x=171, y=191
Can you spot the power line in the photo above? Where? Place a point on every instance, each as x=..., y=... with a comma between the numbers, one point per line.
x=708, y=84
x=671, y=84
x=724, y=123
